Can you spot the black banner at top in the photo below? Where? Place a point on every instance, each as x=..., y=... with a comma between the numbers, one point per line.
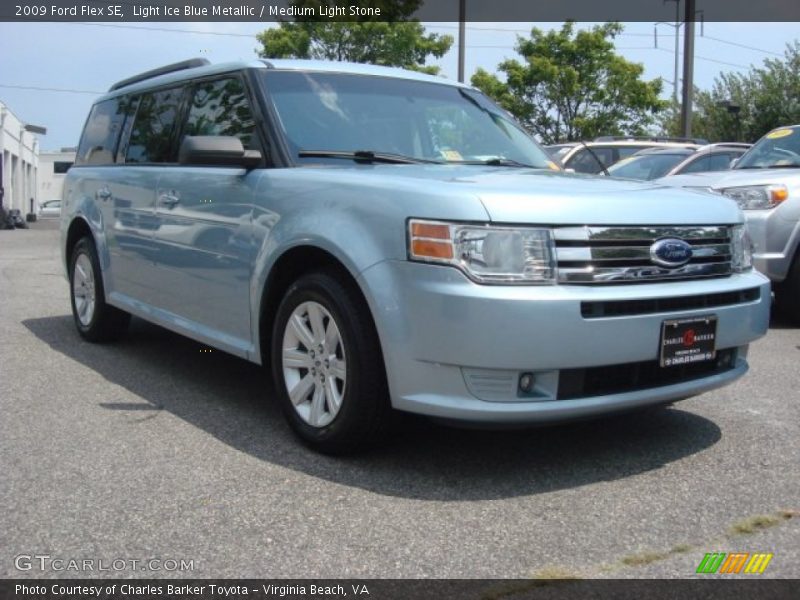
x=383, y=10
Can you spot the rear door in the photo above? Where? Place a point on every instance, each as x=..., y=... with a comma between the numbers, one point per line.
x=203, y=213
x=147, y=145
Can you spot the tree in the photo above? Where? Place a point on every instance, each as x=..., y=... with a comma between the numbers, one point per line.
x=572, y=85
x=767, y=97
x=396, y=40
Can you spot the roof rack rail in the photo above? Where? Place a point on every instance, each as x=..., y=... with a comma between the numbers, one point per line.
x=651, y=138
x=192, y=63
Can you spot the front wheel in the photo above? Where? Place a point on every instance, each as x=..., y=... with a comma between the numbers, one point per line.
x=327, y=365
x=787, y=294
x=96, y=321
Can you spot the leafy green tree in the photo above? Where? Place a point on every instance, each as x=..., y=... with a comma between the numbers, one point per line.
x=396, y=40
x=572, y=85
x=767, y=97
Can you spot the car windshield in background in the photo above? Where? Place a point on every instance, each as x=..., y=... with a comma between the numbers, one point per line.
x=779, y=148
x=645, y=166
x=345, y=113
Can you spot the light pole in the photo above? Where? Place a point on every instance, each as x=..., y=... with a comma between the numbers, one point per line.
x=462, y=26
x=688, y=70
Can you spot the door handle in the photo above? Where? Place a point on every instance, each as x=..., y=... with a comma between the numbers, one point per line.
x=103, y=194
x=168, y=199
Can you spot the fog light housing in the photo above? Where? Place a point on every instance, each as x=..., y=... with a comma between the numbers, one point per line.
x=526, y=382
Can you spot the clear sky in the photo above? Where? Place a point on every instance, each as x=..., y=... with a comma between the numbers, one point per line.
x=90, y=57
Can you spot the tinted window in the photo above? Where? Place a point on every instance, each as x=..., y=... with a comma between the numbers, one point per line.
x=720, y=161
x=153, y=128
x=221, y=108
x=61, y=166
x=698, y=166
x=626, y=151
x=645, y=166
x=101, y=134
x=584, y=161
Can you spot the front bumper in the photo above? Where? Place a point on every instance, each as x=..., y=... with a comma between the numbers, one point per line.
x=455, y=349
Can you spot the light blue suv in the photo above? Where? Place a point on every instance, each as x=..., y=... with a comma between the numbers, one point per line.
x=386, y=240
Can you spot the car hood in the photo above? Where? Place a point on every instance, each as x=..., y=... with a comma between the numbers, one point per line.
x=512, y=195
x=736, y=177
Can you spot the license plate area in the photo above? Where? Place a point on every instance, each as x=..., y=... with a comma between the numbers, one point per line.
x=688, y=341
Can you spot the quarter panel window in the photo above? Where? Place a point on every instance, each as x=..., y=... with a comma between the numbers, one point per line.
x=101, y=134
x=153, y=128
x=221, y=108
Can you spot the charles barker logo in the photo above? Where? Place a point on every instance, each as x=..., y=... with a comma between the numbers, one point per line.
x=734, y=563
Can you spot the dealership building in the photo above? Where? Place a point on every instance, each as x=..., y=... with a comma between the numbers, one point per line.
x=19, y=167
x=53, y=167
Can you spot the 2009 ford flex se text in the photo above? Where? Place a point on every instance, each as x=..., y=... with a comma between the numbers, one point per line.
x=389, y=240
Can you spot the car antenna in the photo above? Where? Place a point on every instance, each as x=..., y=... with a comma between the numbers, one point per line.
x=594, y=156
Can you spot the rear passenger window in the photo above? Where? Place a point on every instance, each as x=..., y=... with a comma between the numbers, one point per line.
x=221, y=108
x=152, y=133
x=700, y=165
x=100, y=136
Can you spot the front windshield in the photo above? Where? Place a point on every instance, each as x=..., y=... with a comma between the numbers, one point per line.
x=779, y=148
x=645, y=166
x=425, y=121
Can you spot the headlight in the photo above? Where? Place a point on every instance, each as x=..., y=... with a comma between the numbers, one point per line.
x=741, y=249
x=487, y=254
x=754, y=197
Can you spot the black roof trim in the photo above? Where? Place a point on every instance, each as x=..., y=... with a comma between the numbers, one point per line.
x=192, y=63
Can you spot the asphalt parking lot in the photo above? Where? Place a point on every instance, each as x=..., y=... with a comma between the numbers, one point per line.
x=152, y=448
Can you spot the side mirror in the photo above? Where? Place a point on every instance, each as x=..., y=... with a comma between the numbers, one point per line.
x=217, y=150
x=733, y=162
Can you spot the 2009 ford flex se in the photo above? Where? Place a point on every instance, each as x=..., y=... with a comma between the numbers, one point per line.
x=389, y=240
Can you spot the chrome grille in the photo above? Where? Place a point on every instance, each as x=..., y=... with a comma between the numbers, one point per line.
x=594, y=255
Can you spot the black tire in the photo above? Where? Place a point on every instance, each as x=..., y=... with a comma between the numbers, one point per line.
x=364, y=410
x=106, y=323
x=787, y=294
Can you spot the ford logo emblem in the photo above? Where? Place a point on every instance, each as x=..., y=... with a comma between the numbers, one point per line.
x=670, y=253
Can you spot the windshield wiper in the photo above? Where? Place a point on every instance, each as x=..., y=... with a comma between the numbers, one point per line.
x=496, y=162
x=366, y=156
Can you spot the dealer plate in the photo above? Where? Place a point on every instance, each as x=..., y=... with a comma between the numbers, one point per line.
x=686, y=341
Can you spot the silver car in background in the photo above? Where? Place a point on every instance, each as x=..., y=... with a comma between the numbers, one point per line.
x=387, y=240
x=765, y=183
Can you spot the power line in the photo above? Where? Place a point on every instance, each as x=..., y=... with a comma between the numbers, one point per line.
x=48, y=89
x=714, y=60
x=448, y=27
x=708, y=37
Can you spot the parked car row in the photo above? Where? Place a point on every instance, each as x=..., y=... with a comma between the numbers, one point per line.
x=645, y=158
x=653, y=163
x=596, y=156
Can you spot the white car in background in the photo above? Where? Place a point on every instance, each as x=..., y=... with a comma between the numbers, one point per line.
x=765, y=183
x=51, y=208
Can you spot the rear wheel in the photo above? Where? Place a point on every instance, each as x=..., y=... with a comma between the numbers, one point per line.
x=96, y=321
x=327, y=365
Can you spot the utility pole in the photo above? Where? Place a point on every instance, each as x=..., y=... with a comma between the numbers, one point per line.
x=688, y=70
x=462, y=26
x=677, y=47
